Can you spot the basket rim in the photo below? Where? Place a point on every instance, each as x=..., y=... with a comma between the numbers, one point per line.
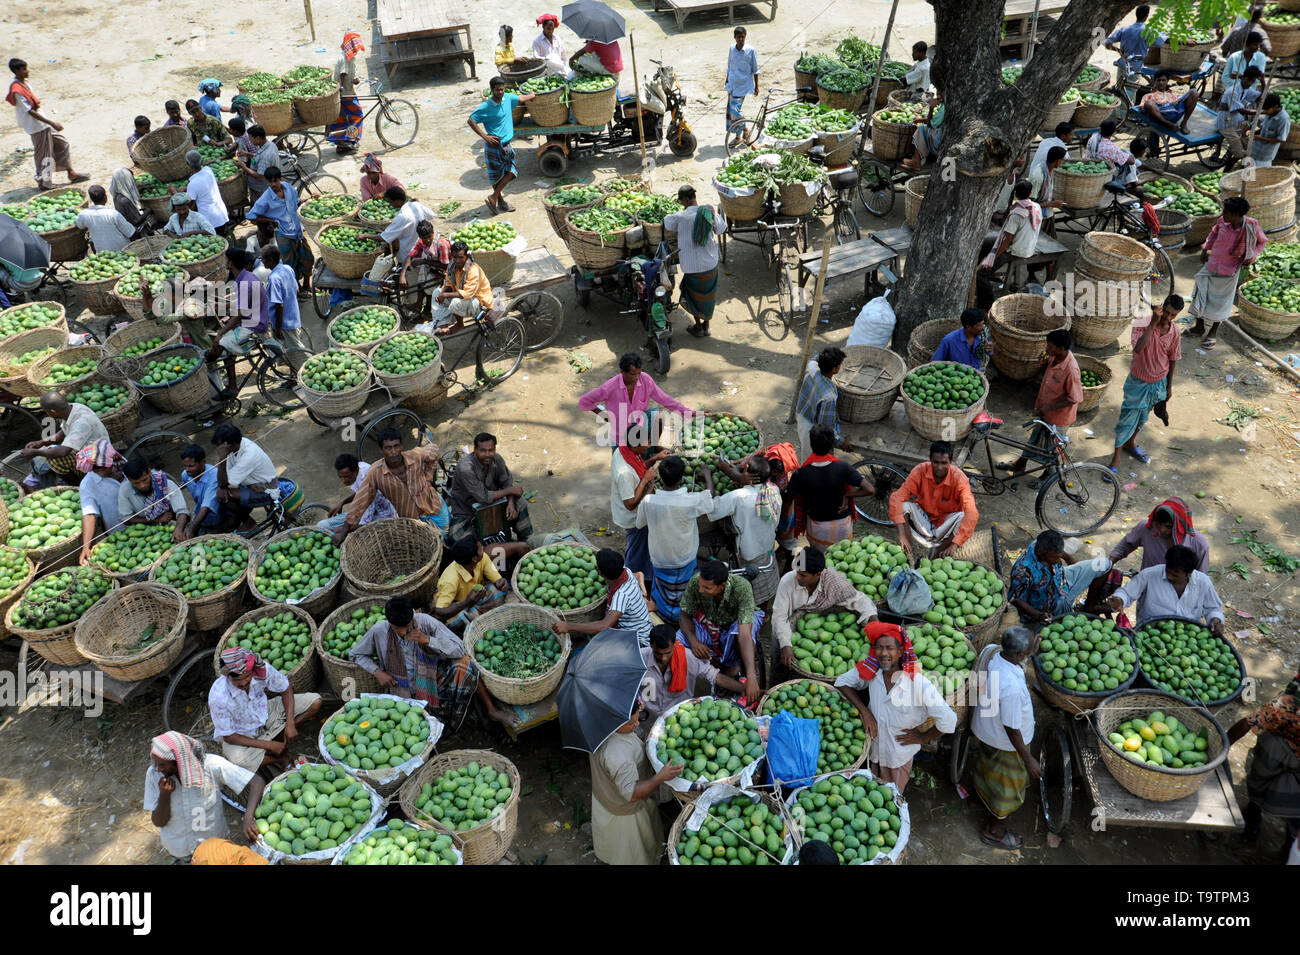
x=1241, y=664
x=255, y=555
x=206, y=538
x=1041, y=672
x=145, y=389
x=1210, y=765
x=356, y=204
x=374, y=342
x=147, y=570
x=514, y=582
x=409, y=526
x=330, y=623
x=256, y=613
x=114, y=279
x=454, y=759
x=44, y=365
x=519, y=683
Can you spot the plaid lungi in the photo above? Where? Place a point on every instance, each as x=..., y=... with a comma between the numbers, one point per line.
x=500, y=160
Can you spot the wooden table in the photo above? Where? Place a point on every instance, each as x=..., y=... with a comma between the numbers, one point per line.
x=414, y=32
x=864, y=256
x=684, y=8
x=1017, y=25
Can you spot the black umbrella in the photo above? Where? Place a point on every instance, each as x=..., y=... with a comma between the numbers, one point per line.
x=600, y=689
x=593, y=20
x=22, y=251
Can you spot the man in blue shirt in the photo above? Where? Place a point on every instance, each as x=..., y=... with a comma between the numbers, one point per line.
x=282, y=295
x=742, y=79
x=200, y=479
x=209, y=94
x=278, y=206
x=968, y=344
x=493, y=122
x=1132, y=45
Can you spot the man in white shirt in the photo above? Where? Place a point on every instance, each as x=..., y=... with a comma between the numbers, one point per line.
x=918, y=77
x=203, y=189
x=246, y=478
x=625, y=607
x=670, y=516
x=1043, y=181
x=1176, y=589
x=401, y=232
x=1018, y=239
x=182, y=793
x=79, y=427
x=672, y=672
x=185, y=220
x=248, y=721
x=109, y=231
x=698, y=260
x=1064, y=137
x=1003, y=725
x=755, y=511
x=550, y=48
x=52, y=151
x=98, y=490
x=626, y=491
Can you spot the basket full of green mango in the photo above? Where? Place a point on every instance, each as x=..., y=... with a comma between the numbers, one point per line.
x=730, y=826
x=862, y=819
x=307, y=813
x=1082, y=183
x=713, y=740
x=380, y=738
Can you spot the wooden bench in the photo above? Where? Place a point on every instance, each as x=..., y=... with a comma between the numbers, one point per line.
x=864, y=256
x=420, y=32
x=684, y=8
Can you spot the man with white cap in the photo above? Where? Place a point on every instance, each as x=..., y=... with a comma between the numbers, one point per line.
x=202, y=188
x=185, y=219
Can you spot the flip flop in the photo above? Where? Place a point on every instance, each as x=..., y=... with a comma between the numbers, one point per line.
x=491, y=208
x=1009, y=841
x=695, y=330
x=81, y=178
x=1209, y=342
x=1114, y=471
x=1140, y=453
x=505, y=207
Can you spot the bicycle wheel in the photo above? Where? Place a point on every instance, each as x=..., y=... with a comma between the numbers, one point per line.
x=961, y=749
x=324, y=182
x=785, y=295
x=161, y=450
x=1161, y=277
x=743, y=133
x=1077, y=499
x=185, y=702
x=542, y=316
x=500, y=350
x=1055, y=788
x=277, y=375
x=846, y=225
x=19, y=425
x=310, y=514
x=875, y=186
x=302, y=150
x=886, y=478
x=320, y=301
x=407, y=423
x=396, y=123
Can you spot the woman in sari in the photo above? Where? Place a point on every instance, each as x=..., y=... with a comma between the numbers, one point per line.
x=126, y=200
x=345, y=132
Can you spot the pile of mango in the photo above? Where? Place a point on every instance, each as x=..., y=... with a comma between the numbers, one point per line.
x=312, y=809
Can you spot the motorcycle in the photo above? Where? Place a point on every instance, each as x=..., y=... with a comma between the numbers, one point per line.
x=642, y=285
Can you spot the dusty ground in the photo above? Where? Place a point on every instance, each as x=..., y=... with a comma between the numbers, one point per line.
x=70, y=787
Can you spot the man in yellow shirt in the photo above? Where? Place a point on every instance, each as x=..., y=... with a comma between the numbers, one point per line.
x=462, y=595
x=466, y=292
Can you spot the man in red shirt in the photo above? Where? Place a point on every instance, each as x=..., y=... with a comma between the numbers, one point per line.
x=597, y=57
x=934, y=505
x=1156, y=349
x=1058, y=396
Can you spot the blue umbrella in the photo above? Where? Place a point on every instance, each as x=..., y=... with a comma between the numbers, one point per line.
x=593, y=20
x=600, y=689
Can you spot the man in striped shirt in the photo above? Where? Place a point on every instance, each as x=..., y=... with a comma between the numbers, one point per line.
x=405, y=478
x=625, y=608
x=817, y=400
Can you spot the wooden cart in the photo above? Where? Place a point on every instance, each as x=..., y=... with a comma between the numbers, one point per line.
x=423, y=32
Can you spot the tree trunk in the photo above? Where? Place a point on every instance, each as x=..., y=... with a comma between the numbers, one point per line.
x=986, y=126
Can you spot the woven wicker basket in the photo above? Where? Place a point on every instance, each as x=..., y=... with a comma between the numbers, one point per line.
x=900, y=97
x=124, y=613
x=148, y=248
x=1019, y=325
x=361, y=348
x=38, y=369
x=913, y=196
x=60, y=323
x=591, y=250
x=234, y=190
x=1115, y=258
x=375, y=552
x=303, y=677
x=805, y=85
x=33, y=340
x=1283, y=235
x=67, y=245
x=1157, y=783
x=925, y=338
x=275, y=118
x=1092, y=395
x=1060, y=113
x=1284, y=38
x=1097, y=331
x=55, y=551
x=1092, y=115
x=121, y=422
x=187, y=393
x=319, y=602
x=313, y=227
x=887, y=89
x=508, y=689
x=1199, y=229
x=161, y=153
x=159, y=207
x=137, y=332
x=1080, y=190
x=521, y=69
x=889, y=141
x=742, y=208
x=485, y=844
x=1174, y=226
x=557, y=215
x=217, y=610
x=498, y=265
x=936, y=425
x=337, y=404
x=56, y=644
x=213, y=268
x=1187, y=58
x=344, y=677
x=348, y=265
x=836, y=100
x=796, y=200
x=318, y=110
x=594, y=109
x=98, y=295
x=8, y=600
x=1267, y=323
x=772, y=690
x=868, y=383
x=837, y=147
x=550, y=108
x=1211, y=705
x=422, y=381
x=4, y=522
x=1269, y=185
x=585, y=614
x=1077, y=701
x=678, y=829
x=1274, y=216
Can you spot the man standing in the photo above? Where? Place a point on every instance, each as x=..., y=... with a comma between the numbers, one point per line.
x=755, y=511
x=1234, y=70
x=697, y=228
x=627, y=489
x=811, y=588
x=109, y=230
x=482, y=478
x=493, y=122
x=1234, y=243
x=52, y=151
x=968, y=345
x=826, y=486
x=719, y=623
x=1132, y=45
x=742, y=81
x=267, y=155
x=549, y=48
x=203, y=189
x=1041, y=178
x=278, y=206
x=934, y=506
x=282, y=302
x=1236, y=114
x=1156, y=351
x=627, y=398
x=1058, y=396
x=1063, y=136
x=1274, y=130
x=404, y=479
x=673, y=537
x=401, y=234
x=817, y=401
x=1046, y=581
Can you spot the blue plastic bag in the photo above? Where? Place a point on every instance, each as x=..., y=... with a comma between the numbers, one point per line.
x=792, y=748
x=909, y=594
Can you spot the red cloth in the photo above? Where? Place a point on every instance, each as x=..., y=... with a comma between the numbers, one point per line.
x=635, y=460
x=610, y=56
x=17, y=87
x=868, y=668
x=352, y=45
x=548, y=16
x=819, y=458
x=613, y=585
x=677, y=668
x=785, y=453
x=1182, y=520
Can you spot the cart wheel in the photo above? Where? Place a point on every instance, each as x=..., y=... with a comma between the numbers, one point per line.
x=1056, y=788
x=542, y=315
x=748, y=131
x=1212, y=157
x=500, y=350
x=875, y=186
x=77, y=328
x=161, y=450
x=962, y=741
x=185, y=703
x=996, y=544
x=552, y=162
x=583, y=295
x=785, y=295
x=396, y=123
x=320, y=301
x=407, y=423
x=682, y=144
x=661, y=349
x=886, y=479
x=14, y=466
x=301, y=149
x=19, y=425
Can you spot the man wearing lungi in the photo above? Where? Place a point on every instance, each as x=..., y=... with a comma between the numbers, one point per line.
x=1235, y=242
x=720, y=623
x=1156, y=350
x=52, y=151
x=493, y=122
x=697, y=228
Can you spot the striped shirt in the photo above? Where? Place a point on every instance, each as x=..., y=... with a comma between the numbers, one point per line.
x=1152, y=363
x=412, y=494
x=817, y=398
x=630, y=602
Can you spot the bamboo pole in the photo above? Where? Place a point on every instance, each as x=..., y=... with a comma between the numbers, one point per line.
x=311, y=21
x=812, y=319
x=880, y=69
x=1033, y=33
x=636, y=85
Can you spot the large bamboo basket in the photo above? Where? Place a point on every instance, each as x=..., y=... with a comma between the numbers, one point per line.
x=594, y=109
x=725, y=793
x=889, y=141
x=38, y=369
x=925, y=338
x=484, y=844
x=121, y=421
x=805, y=85
x=550, y=108
x=1268, y=185
x=851, y=101
x=1157, y=783
x=1060, y=113
x=98, y=295
x=344, y=677
x=8, y=600
x=319, y=602
x=1284, y=38
x=894, y=855
x=234, y=190
x=187, y=393
x=837, y=147
x=161, y=153
x=913, y=196
x=745, y=207
x=217, y=610
x=159, y=207
x=1211, y=705
x=584, y=614
x=361, y=348
x=1077, y=701
x=423, y=381
x=510, y=690
x=1019, y=325
x=1080, y=190
x=67, y=245
x=557, y=215
x=1115, y=257
x=1267, y=323
x=591, y=250
x=934, y=424
x=1189, y=56
x=313, y=227
x=303, y=676
x=888, y=88
x=374, y=553
x=772, y=690
x=4, y=523
x=868, y=383
x=125, y=613
x=54, y=551
x=1282, y=235
x=61, y=323
x=1094, y=327
x=137, y=332
x=34, y=339
x=1275, y=217
x=1174, y=226
x=275, y=118
x=796, y=200
x=56, y=644
x=133, y=304
x=1092, y=115
x=521, y=69
x=318, y=110
x=1199, y=229
x=1092, y=395
x=338, y=404
x=348, y=265
x=213, y=268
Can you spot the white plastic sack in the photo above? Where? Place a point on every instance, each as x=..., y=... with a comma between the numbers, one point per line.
x=389, y=774
x=745, y=778
x=874, y=324
x=383, y=265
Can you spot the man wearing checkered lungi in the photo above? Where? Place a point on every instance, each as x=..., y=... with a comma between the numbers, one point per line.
x=493, y=122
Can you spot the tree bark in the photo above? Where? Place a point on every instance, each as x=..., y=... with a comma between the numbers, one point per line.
x=986, y=126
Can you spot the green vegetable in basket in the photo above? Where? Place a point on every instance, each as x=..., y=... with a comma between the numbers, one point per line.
x=101, y=398
x=193, y=248
x=16, y=210
x=944, y=653
x=730, y=436
x=1071, y=95
x=560, y=577
x=23, y=361
x=350, y=630
x=631, y=201
x=823, y=119
x=576, y=195
x=398, y=843
x=151, y=188
x=103, y=265
x=210, y=154
x=1194, y=204
x=255, y=82
x=1209, y=181
x=282, y=639
x=791, y=122
x=1278, y=261
x=1097, y=99
x=327, y=207
x=42, y=520
x=622, y=184
x=736, y=831
x=59, y=599
x=904, y=114
x=141, y=348
x=713, y=739
x=1091, y=379
x=313, y=88
x=857, y=51
x=371, y=733
x=484, y=236
x=69, y=199
x=1160, y=188
x=51, y=219
x=946, y=386
x=132, y=547
x=1290, y=96
x=518, y=652
x=8, y=492
x=61, y=372
x=868, y=562
x=1086, y=167
x=465, y=797
x=1275, y=293
x=405, y=354
x=336, y=369
x=591, y=83
x=542, y=84
x=13, y=571
x=203, y=566
x=1161, y=740
x=1088, y=75
x=843, y=80
x=156, y=274
x=269, y=97
x=1086, y=655
x=362, y=325
x=303, y=74
x=314, y=808
x=857, y=817
x=347, y=239
x=1011, y=73
x=815, y=63
x=658, y=208
x=164, y=371
x=609, y=223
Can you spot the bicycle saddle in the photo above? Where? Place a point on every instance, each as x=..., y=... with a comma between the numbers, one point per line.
x=985, y=422
x=1116, y=187
x=845, y=178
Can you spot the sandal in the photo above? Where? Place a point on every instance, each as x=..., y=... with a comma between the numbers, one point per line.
x=491, y=206
x=505, y=207
x=1010, y=467
x=1140, y=453
x=80, y=177
x=1209, y=342
x=706, y=333
x=696, y=330
x=1009, y=841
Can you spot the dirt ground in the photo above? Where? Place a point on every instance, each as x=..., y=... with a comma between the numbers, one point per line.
x=70, y=787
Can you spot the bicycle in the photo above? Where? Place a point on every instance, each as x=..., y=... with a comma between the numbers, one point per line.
x=749, y=131
x=498, y=345
x=396, y=125
x=837, y=200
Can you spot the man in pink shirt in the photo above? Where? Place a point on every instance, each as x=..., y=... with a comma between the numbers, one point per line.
x=597, y=57
x=627, y=397
x=1234, y=242
x=1157, y=347
x=1058, y=396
